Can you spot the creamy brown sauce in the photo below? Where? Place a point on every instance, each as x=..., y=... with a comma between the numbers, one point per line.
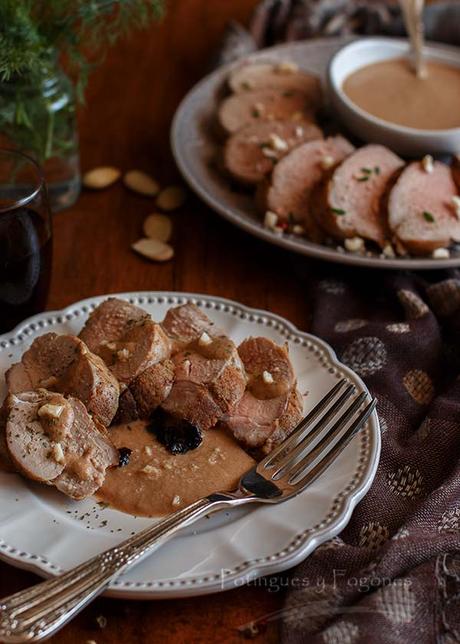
x=391, y=91
x=155, y=482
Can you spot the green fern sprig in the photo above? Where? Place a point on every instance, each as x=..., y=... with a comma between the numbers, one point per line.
x=80, y=30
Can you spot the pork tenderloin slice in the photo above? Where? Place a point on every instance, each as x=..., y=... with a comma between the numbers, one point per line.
x=271, y=406
x=35, y=442
x=287, y=422
x=252, y=152
x=151, y=388
x=421, y=209
x=253, y=420
x=89, y=380
x=109, y=322
x=263, y=424
x=350, y=202
x=6, y=464
x=63, y=363
x=141, y=346
x=89, y=452
x=209, y=381
x=127, y=408
x=295, y=176
x=44, y=363
x=240, y=110
x=193, y=402
x=185, y=323
x=269, y=369
x=257, y=76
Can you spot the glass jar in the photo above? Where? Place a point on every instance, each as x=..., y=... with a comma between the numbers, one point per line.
x=38, y=117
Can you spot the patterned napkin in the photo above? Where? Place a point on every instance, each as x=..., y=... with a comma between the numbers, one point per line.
x=393, y=575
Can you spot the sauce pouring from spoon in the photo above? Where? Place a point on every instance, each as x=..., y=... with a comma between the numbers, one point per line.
x=413, y=19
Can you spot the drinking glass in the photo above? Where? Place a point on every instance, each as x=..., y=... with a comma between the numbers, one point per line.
x=25, y=239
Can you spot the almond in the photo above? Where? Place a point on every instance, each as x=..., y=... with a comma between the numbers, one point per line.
x=441, y=253
x=158, y=227
x=50, y=411
x=58, y=453
x=171, y=198
x=100, y=178
x=428, y=163
x=267, y=377
x=153, y=249
x=287, y=67
x=140, y=182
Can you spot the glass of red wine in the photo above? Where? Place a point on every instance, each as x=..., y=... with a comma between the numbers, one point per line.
x=25, y=239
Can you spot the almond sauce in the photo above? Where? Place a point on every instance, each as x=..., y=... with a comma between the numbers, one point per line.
x=391, y=91
x=154, y=482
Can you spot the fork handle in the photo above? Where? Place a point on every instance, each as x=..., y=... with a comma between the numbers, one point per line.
x=40, y=611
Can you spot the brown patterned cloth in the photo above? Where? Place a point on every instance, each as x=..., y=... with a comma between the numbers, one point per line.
x=393, y=575
x=277, y=21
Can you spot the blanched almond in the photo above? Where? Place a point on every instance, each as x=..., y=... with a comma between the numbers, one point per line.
x=171, y=198
x=100, y=178
x=153, y=249
x=158, y=227
x=141, y=182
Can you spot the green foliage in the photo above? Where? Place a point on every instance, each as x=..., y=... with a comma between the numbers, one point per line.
x=80, y=30
x=34, y=36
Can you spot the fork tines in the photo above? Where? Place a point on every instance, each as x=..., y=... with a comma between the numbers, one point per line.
x=320, y=436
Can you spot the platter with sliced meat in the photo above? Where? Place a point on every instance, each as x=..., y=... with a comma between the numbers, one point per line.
x=125, y=408
x=259, y=142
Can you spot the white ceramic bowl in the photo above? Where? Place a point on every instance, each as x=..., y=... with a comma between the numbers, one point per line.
x=403, y=140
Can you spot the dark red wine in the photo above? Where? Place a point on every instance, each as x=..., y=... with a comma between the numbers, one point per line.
x=25, y=265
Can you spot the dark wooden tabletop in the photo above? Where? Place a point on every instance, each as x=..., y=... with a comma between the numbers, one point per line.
x=130, y=103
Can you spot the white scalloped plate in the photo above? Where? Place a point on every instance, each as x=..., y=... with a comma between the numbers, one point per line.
x=44, y=531
x=195, y=152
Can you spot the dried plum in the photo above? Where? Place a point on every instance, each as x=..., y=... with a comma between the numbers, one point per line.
x=124, y=454
x=177, y=435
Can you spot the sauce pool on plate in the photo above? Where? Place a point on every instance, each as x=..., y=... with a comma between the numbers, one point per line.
x=391, y=91
x=155, y=482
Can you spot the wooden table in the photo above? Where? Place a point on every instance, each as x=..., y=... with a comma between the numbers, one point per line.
x=130, y=103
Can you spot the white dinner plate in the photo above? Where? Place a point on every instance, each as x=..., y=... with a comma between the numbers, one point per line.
x=195, y=150
x=42, y=530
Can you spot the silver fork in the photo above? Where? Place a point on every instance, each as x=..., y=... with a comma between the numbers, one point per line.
x=40, y=611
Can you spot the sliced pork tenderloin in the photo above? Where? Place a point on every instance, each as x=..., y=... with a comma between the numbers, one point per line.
x=423, y=208
x=152, y=387
x=287, y=194
x=44, y=364
x=109, y=322
x=350, y=200
x=89, y=380
x=88, y=455
x=127, y=408
x=6, y=464
x=252, y=152
x=53, y=440
x=209, y=381
x=34, y=439
x=143, y=345
x=281, y=76
x=240, y=110
x=268, y=367
x=64, y=364
x=271, y=406
x=146, y=392
x=289, y=419
x=185, y=323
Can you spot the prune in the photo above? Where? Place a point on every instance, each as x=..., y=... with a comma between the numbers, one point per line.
x=124, y=454
x=177, y=435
